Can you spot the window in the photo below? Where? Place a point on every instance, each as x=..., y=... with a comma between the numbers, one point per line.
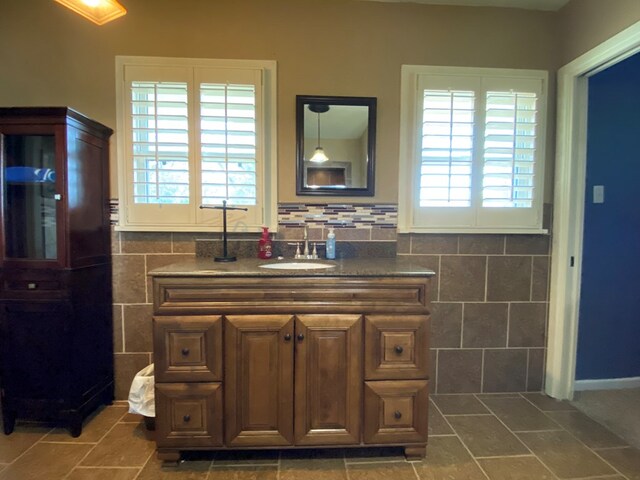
x=472, y=150
x=193, y=132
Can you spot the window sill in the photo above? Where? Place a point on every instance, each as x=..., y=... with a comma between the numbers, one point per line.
x=471, y=231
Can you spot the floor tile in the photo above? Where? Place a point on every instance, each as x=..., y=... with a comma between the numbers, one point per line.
x=447, y=459
x=588, y=431
x=186, y=470
x=247, y=457
x=98, y=473
x=519, y=415
x=459, y=404
x=437, y=424
x=94, y=428
x=23, y=437
x=382, y=471
x=312, y=464
x=564, y=455
x=515, y=468
x=126, y=445
x=485, y=436
x=625, y=460
x=546, y=403
x=50, y=461
x=244, y=472
x=375, y=454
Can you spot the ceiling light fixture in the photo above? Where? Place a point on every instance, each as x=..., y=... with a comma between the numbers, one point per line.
x=318, y=155
x=98, y=11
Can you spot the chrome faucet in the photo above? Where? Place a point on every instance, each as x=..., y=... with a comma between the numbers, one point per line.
x=307, y=253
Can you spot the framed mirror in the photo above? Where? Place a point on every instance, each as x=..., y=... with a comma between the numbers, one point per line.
x=335, y=145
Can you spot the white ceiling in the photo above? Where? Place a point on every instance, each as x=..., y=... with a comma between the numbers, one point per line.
x=526, y=4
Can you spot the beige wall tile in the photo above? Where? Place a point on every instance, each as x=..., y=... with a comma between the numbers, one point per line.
x=345, y=234
x=128, y=279
x=138, y=328
x=481, y=244
x=115, y=241
x=462, y=278
x=126, y=365
x=404, y=243
x=378, y=233
x=429, y=244
x=485, y=325
x=185, y=242
x=509, y=278
x=459, y=371
x=540, y=279
x=118, y=337
x=527, y=324
x=446, y=325
x=146, y=242
x=505, y=370
x=535, y=372
x=528, y=244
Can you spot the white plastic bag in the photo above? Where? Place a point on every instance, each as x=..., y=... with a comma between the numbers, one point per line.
x=141, y=394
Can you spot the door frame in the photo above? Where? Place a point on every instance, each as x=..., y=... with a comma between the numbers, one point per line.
x=568, y=206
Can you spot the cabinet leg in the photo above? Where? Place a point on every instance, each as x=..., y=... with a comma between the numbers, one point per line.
x=75, y=425
x=8, y=422
x=168, y=456
x=415, y=453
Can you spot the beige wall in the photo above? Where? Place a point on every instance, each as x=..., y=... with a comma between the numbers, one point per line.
x=584, y=24
x=51, y=56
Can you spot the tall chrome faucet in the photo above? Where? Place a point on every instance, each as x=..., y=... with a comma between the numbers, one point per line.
x=306, y=252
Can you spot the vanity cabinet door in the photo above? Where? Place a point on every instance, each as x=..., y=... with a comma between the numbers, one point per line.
x=328, y=358
x=259, y=380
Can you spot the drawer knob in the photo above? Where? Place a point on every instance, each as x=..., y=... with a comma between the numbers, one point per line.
x=185, y=351
x=399, y=349
x=397, y=414
x=186, y=418
x=32, y=286
x=300, y=337
x=287, y=336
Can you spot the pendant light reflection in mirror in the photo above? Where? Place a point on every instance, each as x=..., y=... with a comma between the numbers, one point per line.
x=318, y=155
x=98, y=11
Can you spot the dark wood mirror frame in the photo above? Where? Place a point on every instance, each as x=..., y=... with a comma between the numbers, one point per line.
x=302, y=188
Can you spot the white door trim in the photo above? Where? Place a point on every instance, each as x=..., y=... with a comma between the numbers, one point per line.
x=568, y=207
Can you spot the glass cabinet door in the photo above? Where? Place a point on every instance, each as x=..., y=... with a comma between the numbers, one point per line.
x=29, y=177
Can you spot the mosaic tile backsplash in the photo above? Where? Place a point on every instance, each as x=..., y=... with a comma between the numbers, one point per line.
x=338, y=215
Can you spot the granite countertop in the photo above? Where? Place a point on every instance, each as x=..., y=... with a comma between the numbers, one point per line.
x=250, y=267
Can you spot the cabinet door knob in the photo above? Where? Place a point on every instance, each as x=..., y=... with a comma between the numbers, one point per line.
x=185, y=351
x=287, y=336
x=399, y=349
x=300, y=336
x=397, y=414
x=186, y=418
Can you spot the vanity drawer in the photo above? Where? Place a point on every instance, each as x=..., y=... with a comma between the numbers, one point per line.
x=396, y=411
x=189, y=415
x=188, y=349
x=196, y=296
x=396, y=347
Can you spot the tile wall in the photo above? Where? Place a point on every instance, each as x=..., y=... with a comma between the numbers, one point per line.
x=489, y=297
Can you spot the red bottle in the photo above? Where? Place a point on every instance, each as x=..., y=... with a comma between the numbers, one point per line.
x=264, y=244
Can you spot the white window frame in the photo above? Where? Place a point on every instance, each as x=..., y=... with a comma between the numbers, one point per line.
x=198, y=220
x=473, y=219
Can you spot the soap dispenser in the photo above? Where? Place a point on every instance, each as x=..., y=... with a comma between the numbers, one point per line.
x=264, y=244
x=331, y=245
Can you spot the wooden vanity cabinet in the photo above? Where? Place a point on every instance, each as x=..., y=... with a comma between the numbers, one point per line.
x=252, y=363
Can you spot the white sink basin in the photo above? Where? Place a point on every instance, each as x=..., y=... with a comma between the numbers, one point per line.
x=297, y=266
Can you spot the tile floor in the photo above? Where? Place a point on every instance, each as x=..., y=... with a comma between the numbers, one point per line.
x=472, y=437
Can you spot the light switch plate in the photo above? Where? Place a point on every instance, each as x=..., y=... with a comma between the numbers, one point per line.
x=598, y=194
